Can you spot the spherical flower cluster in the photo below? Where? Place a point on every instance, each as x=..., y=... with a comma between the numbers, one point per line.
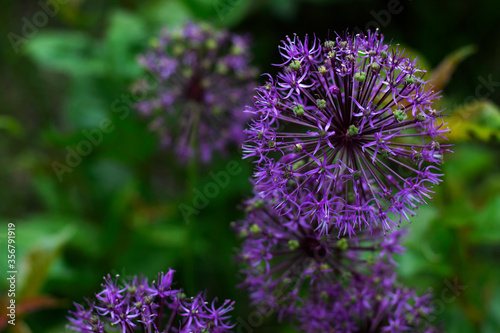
x=347, y=132
x=322, y=283
x=365, y=303
x=283, y=256
x=202, y=81
x=138, y=306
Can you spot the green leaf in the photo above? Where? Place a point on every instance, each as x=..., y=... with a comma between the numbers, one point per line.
x=72, y=53
x=284, y=9
x=84, y=107
x=487, y=228
x=35, y=266
x=221, y=12
x=166, y=13
x=442, y=73
x=124, y=37
x=476, y=121
x=11, y=125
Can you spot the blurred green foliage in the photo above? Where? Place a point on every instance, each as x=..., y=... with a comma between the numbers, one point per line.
x=117, y=210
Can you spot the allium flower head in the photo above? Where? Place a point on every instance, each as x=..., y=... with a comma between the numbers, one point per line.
x=347, y=131
x=322, y=283
x=283, y=256
x=136, y=305
x=203, y=79
x=365, y=303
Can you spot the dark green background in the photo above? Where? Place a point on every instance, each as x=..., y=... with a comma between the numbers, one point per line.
x=117, y=211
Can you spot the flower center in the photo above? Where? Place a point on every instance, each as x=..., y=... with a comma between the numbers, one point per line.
x=313, y=248
x=194, y=89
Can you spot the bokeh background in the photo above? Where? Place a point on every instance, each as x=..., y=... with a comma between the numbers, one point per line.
x=117, y=210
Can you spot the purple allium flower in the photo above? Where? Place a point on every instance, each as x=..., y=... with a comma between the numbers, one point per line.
x=365, y=303
x=138, y=306
x=324, y=282
x=284, y=256
x=347, y=132
x=203, y=79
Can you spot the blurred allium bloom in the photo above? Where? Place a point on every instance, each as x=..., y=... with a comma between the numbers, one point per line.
x=365, y=303
x=204, y=80
x=347, y=132
x=139, y=306
x=323, y=283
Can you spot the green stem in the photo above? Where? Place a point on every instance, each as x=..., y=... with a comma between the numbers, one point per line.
x=192, y=182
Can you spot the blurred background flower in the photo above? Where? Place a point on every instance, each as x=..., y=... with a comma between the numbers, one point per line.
x=201, y=80
x=83, y=180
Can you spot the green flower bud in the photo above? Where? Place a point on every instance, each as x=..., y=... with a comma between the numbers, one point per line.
x=342, y=244
x=271, y=144
x=321, y=103
x=297, y=148
x=211, y=44
x=353, y=130
x=399, y=115
x=298, y=109
x=258, y=203
x=217, y=111
x=294, y=65
x=187, y=72
x=293, y=244
x=322, y=70
x=177, y=50
x=236, y=50
x=243, y=234
x=360, y=76
x=222, y=68
x=410, y=80
x=350, y=58
x=255, y=229
x=329, y=44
